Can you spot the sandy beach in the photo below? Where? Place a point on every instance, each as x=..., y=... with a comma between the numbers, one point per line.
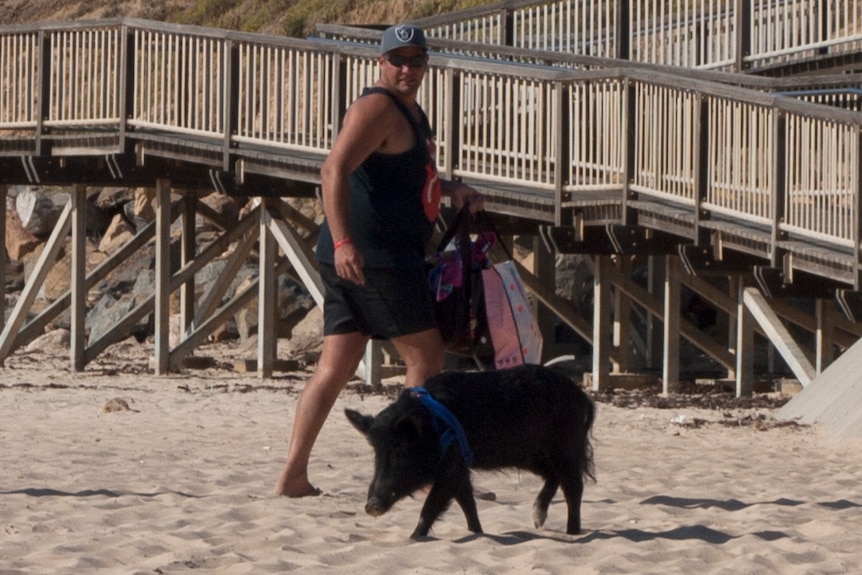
x=181, y=482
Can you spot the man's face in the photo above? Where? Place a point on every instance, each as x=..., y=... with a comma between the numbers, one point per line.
x=404, y=68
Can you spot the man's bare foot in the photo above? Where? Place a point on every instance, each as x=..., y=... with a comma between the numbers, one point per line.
x=310, y=491
x=295, y=487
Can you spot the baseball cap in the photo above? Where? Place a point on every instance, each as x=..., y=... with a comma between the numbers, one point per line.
x=402, y=35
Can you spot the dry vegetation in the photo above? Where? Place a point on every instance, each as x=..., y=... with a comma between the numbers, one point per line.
x=283, y=17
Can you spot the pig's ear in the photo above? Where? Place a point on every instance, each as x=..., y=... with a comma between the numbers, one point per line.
x=359, y=421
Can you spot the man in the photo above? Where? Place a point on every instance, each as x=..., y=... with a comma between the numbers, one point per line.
x=380, y=197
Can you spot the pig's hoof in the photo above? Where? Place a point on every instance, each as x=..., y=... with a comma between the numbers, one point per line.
x=539, y=516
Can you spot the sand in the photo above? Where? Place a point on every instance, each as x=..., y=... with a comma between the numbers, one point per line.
x=181, y=481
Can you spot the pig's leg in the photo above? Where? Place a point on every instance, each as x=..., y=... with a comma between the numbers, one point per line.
x=573, y=488
x=435, y=504
x=438, y=500
x=464, y=497
x=543, y=500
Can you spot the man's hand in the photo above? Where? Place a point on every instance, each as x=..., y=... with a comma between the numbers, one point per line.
x=463, y=194
x=348, y=263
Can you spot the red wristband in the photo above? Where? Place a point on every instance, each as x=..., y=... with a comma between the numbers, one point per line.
x=342, y=242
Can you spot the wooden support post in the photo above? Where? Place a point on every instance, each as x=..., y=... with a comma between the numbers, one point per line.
x=622, y=319
x=655, y=281
x=601, y=324
x=734, y=281
x=299, y=254
x=778, y=335
x=670, y=356
x=187, y=254
x=77, y=284
x=3, y=192
x=744, y=344
x=162, y=309
x=545, y=268
x=824, y=334
x=266, y=298
x=373, y=363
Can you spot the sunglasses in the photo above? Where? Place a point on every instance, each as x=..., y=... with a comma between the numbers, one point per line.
x=399, y=61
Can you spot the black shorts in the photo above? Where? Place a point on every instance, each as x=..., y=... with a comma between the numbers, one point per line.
x=392, y=303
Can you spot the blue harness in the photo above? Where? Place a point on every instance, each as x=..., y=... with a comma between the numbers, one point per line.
x=452, y=428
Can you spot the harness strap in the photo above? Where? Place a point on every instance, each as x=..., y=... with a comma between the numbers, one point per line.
x=453, y=429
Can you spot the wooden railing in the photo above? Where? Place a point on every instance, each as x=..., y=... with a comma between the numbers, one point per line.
x=544, y=141
x=733, y=35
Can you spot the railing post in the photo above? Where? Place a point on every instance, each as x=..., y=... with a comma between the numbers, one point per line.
x=779, y=191
x=126, y=91
x=701, y=176
x=561, y=149
x=43, y=97
x=742, y=23
x=507, y=30
x=339, y=97
x=857, y=214
x=623, y=30
x=629, y=145
x=231, y=100
x=452, y=123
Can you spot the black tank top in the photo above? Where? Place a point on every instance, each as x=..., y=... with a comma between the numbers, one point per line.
x=386, y=216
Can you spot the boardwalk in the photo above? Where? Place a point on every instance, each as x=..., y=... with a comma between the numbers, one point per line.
x=701, y=173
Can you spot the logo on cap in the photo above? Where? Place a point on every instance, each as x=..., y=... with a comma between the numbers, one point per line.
x=404, y=33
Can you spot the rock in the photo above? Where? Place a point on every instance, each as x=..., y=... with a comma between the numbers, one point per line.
x=124, y=277
x=108, y=311
x=19, y=241
x=175, y=330
x=119, y=232
x=143, y=211
x=308, y=333
x=39, y=210
x=14, y=279
x=114, y=405
x=56, y=341
x=59, y=278
x=293, y=302
x=222, y=205
x=112, y=199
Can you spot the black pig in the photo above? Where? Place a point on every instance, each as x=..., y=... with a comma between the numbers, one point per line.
x=529, y=417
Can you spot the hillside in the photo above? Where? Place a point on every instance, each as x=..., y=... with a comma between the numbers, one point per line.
x=282, y=17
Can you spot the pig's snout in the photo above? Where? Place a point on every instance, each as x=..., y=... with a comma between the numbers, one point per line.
x=376, y=507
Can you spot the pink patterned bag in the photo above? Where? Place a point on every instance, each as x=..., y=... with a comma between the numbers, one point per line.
x=511, y=322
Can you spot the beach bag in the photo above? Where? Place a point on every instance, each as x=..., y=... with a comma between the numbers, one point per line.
x=512, y=325
x=456, y=288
